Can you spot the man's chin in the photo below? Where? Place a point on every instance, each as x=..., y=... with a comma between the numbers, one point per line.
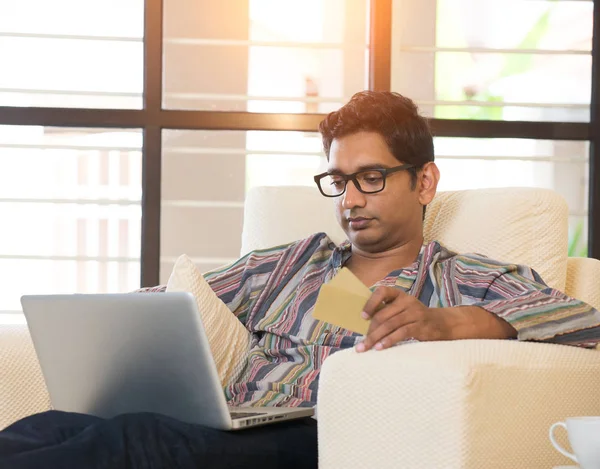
x=361, y=238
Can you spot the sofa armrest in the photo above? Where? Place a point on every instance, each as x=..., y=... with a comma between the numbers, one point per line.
x=22, y=387
x=461, y=404
x=583, y=280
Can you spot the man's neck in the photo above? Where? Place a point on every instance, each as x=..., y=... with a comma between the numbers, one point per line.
x=371, y=267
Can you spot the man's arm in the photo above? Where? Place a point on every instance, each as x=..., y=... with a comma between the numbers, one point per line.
x=474, y=322
x=489, y=301
x=537, y=312
x=396, y=316
x=239, y=283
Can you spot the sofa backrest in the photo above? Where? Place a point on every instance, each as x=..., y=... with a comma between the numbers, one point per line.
x=517, y=225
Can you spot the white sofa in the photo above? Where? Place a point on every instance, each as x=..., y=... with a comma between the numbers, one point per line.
x=464, y=404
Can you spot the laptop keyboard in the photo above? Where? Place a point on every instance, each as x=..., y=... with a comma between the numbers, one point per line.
x=241, y=415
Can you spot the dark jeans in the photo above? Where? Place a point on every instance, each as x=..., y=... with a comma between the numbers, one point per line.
x=65, y=440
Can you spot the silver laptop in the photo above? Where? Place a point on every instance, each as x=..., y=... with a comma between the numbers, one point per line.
x=111, y=354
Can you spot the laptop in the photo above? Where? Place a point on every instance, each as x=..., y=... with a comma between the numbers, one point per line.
x=109, y=354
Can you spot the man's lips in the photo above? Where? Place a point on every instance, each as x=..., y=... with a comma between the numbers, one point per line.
x=358, y=223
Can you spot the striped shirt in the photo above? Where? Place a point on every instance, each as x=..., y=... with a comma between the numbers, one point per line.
x=273, y=293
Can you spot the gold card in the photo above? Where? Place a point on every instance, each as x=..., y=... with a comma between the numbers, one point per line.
x=341, y=302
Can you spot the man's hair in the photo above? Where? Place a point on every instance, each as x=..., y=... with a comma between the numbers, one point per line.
x=393, y=116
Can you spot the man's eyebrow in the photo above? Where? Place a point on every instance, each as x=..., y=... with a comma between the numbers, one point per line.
x=364, y=167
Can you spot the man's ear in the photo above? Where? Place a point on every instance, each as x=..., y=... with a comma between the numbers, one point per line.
x=428, y=181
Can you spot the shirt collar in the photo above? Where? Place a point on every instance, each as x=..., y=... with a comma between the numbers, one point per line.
x=341, y=254
x=401, y=277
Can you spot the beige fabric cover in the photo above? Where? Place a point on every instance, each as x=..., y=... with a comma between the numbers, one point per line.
x=279, y=215
x=583, y=280
x=22, y=387
x=229, y=340
x=464, y=221
x=477, y=221
x=463, y=404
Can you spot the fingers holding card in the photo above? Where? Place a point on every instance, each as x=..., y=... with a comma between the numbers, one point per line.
x=341, y=302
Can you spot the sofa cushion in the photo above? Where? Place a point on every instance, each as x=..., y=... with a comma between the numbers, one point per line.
x=477, y=221
x=583, y=280
x=22, y=387
x=229, y=340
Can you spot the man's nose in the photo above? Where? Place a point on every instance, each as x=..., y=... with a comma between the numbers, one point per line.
x=352, y=197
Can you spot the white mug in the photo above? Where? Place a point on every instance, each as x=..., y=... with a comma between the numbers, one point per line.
x=584, y=437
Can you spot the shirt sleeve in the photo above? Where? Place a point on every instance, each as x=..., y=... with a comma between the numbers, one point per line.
x=239, y=284
x=518, y=295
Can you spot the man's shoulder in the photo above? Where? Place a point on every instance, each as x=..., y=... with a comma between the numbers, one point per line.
x=473, y=259
x=315, y=240
x=316, y=243
x=473, y=263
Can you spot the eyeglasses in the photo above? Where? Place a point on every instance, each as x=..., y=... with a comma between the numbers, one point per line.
x=368, y=181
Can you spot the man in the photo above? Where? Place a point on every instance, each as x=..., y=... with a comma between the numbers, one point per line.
x=381, y=176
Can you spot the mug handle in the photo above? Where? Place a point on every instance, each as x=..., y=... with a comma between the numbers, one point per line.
x=559, y=448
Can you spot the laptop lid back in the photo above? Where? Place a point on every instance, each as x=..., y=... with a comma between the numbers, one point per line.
x=111, y=354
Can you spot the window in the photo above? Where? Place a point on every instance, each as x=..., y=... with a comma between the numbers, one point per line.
x=519, y=60
x=271, y=56
x=484, y=59
x=71, y=53
x=558, y=165
x=70, y=199
x=206, y=175
x=93, y=107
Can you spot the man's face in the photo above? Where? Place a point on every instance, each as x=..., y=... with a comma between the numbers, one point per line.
x=384, y=220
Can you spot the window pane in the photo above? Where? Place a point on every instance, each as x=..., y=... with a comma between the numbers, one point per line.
x=71, y=198
x=562, y=166
x=206, y=175
x=482, y=59
x=512, y=24
x=264, y=58
x=308, y=21
x=79, y=54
